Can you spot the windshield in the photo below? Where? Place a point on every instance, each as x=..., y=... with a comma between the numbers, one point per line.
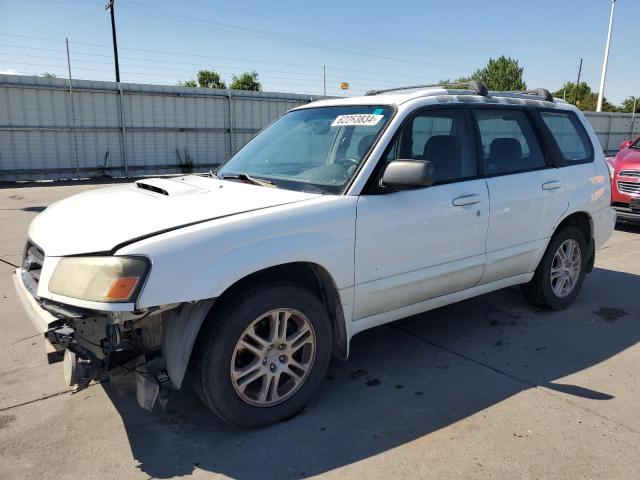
x=314, y=150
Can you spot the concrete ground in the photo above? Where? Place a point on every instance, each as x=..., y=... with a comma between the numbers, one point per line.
x=488, y=388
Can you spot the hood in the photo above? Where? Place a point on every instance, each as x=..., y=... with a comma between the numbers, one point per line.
x=99, y=220
x=628, y=158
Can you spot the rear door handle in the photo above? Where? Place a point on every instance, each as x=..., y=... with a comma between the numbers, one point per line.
x=466, y=200
x=552, y=185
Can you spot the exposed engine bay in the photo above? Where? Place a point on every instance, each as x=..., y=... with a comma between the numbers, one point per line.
x=153, y=345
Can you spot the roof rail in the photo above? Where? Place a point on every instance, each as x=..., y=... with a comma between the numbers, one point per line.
x=540, y=92
x=477, y=87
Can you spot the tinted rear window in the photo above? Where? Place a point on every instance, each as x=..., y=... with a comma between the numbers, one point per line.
x=509, y=144
x=570, y=136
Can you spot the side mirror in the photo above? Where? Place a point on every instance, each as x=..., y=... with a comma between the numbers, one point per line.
x=626, y=144
x=407, y=174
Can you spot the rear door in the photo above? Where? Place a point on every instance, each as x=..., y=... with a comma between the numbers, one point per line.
x=527, y=193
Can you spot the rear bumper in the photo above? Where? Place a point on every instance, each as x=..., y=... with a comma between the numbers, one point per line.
x=604, y=222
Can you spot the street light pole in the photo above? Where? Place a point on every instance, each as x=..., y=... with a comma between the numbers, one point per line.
x=109, y=6
x=606, y=59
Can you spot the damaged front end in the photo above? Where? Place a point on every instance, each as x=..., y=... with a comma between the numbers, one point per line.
x=93, y=345
x=154, y=344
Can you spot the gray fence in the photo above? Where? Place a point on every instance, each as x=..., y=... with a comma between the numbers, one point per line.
x=613, y=128
x=98, y=128
x=102, y=128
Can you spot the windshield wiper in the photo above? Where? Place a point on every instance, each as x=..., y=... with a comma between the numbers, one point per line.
x=246, y=178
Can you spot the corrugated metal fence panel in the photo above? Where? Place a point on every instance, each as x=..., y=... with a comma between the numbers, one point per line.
x=613, y=128
x=46, y=133
x=43, y=135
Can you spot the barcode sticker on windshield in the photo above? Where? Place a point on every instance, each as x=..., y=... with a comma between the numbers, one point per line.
x=364, y=119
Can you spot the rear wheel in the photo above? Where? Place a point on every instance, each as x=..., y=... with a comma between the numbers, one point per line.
x=559, y=276
x=264, y=354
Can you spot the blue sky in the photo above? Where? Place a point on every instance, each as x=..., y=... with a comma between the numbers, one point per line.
x=368, y=44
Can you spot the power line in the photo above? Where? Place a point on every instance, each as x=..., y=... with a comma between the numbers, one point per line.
x=288, y=39
x=239, y=59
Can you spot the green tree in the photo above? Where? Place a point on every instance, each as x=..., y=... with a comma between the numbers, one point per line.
x=188, y=83
x=49, y=75
x=587, y=99
x=456, y=81
x=568, y=92
x=627, y=105
x=501, y=74
x=246, y=81
x=210, y=79
x=589, y=103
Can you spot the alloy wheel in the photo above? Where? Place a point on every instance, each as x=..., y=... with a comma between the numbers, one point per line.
x=565, y=268
x=273, y=357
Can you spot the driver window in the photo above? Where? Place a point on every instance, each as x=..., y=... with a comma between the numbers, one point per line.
x=441, y=136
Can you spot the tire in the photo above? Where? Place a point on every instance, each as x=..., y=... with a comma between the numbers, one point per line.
x=548, y=293
x=237, y=341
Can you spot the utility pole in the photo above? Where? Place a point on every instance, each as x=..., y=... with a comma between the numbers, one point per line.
x=575, y=97
x=73, y=113
x=69, y=66
x=109, y=6
x=606, y=59
x=324, y=81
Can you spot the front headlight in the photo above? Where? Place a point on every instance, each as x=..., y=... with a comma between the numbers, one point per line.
x=612, y=170
x=99, y=279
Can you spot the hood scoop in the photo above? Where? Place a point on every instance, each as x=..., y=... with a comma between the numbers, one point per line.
x=167, y=187
x=152, y=188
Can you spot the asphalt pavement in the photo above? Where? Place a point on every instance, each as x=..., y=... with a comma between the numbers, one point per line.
x=491, y=387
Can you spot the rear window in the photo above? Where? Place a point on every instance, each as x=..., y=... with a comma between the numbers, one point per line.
x=569, y=135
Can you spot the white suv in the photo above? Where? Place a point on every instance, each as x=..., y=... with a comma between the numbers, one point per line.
x=340, y=216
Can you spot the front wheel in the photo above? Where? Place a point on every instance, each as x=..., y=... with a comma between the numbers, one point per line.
x=263, y=356
x=559, y=276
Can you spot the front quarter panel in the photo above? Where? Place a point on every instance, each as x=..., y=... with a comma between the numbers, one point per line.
x=202, y=261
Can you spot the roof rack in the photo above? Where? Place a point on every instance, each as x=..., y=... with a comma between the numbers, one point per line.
x=539, y=92
x=477, y=87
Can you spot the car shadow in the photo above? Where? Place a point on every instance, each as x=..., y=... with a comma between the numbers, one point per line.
x=402, y=382
x=628, y=227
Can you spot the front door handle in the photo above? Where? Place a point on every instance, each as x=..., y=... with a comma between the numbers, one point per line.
x=552, y=185
x=466, y=200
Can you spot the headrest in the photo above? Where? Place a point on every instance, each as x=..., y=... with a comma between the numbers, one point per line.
x=364, y=144
x=505, y=149
x=440, y=147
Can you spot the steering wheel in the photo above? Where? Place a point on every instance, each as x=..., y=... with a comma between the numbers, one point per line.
x=348, y=162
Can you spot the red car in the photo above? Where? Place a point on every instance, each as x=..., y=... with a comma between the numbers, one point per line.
x=625, y=181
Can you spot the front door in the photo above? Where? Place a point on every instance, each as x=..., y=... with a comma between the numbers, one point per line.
x=416, y=245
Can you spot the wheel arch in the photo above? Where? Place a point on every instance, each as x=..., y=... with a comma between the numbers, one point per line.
x=183, y=328
x=312, y=276
x=584, y=222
